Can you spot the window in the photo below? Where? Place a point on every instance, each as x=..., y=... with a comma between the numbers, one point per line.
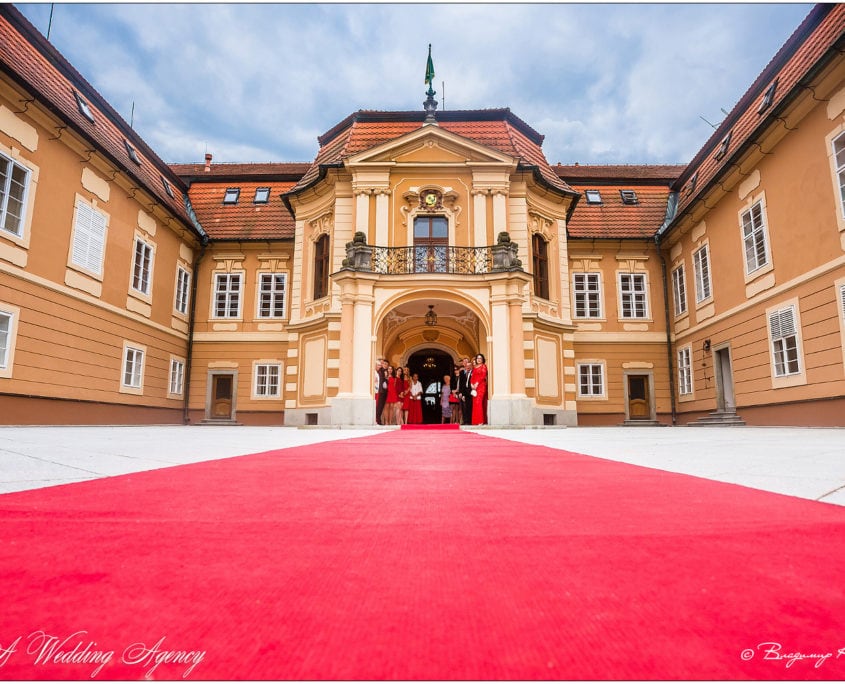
x=632, y=288
x=89, y=238
x=839, y=157
x=133, y=155
x=14, y=180
x=142, y=266
x=754, y=238
x=183, y=284
x=784, y=342
x=83, y=107
x=232, y=195
x=692, y=183
x=679, y=290
x=540, y=254
x=701, y=265
x=133, y=368
x=590, y=379
x=321, y=267
x=628, y=196
x=271, y=295
x=723, y=146
x=684, y=371
x=5, y=338
x=177, y=376
x=586, y=289
x=167, y=188
x=262, y=196
x=227, y=295
x=267, y=379
x=768, y=97
x=593, y=196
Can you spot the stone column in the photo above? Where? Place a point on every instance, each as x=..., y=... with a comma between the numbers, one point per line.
x=479, y=217
x=382, y=217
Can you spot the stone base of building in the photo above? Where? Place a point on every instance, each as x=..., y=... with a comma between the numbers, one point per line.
x=319, y=415
x=555, y=417
x=349, y=410
x=519, y=410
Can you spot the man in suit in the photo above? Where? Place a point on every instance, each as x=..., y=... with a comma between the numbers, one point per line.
x=381, y=397
x=464, y=391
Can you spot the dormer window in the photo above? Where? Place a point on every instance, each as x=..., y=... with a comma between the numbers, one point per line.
x=768, y=97
x=133, y=155
x=628, y=197
x=692, y=183
x=593, y=196
x=723, y=147
x=262, y=196
x=83, y=107
x=167, y=187
x=231, y=196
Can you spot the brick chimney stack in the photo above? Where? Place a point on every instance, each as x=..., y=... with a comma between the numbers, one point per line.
x=207, y=162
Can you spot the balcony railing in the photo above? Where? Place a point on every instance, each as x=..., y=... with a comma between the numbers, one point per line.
x=431, y=258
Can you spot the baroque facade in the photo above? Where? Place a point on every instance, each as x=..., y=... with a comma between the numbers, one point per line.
x=136, y=291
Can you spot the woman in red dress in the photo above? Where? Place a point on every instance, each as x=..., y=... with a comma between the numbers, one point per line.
x=401, y=388
x=388, y=417
x=478, y=381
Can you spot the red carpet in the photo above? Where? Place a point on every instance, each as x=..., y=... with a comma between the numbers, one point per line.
x=419, y=555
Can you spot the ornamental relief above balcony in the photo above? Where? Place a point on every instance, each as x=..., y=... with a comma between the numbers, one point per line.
x=429, y=200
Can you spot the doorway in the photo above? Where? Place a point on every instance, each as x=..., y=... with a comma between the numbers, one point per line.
x=431, y=365
x=639, y=397
x=725, y=398
x=221, y=396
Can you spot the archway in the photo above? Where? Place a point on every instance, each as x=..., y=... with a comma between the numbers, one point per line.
x=431, y=365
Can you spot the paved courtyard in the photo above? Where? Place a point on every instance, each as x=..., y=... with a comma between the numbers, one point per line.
x=803, y=462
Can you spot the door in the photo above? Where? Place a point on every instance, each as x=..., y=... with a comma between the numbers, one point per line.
x=221, y=396
x=639, y=404
x=725, y=399
x=431, y=244
x=431, y=365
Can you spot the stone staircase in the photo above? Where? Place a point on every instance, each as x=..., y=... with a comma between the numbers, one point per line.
x=719, y=419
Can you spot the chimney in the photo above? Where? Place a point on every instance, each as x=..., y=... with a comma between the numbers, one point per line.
x=207, y=162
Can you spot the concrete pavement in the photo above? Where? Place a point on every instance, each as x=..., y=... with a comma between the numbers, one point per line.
x=803, y=462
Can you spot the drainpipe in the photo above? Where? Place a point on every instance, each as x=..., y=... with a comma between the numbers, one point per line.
x=671, y=208
x=191, y=320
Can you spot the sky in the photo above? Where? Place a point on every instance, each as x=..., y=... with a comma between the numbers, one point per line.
x=604, y=83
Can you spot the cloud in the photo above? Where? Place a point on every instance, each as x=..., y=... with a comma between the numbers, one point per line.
x=604, y=83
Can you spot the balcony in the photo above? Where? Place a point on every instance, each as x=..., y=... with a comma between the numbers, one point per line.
x=445, y=259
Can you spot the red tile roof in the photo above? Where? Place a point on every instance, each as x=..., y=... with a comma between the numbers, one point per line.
x=817, y=38
x=41, y=70
x=498, y=129
x=251, y=170
x=244, y=220
x=614, y=219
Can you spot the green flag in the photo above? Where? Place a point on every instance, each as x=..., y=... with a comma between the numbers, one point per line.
x=429, y=68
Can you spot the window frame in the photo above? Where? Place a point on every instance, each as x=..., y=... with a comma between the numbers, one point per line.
x=132, y=368
x=229, y=293
x=679, y=289
x=182, y=290
x=6, y=195
x=261, y=390
x=580, y=367
x=540, y=261
x=593, y=196
x=587, y=294
x=629, y=197
x=84, y=107
x=703, y=279
x=684, y=368
x=266, y=200
x=142, y=271
x=235, y=195
x=785, y=344
x=176, y=377
x=839, y=171
x=321, y=265
x=755, y=234
x=628, y=311
x=273, y=295
x=7, y=352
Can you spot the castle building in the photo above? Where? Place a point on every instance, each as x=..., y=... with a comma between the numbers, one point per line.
x=133, y=291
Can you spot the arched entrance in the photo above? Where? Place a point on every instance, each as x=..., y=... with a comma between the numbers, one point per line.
x=431, y=365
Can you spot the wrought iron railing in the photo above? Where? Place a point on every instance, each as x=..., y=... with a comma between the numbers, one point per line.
x=432, y=258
